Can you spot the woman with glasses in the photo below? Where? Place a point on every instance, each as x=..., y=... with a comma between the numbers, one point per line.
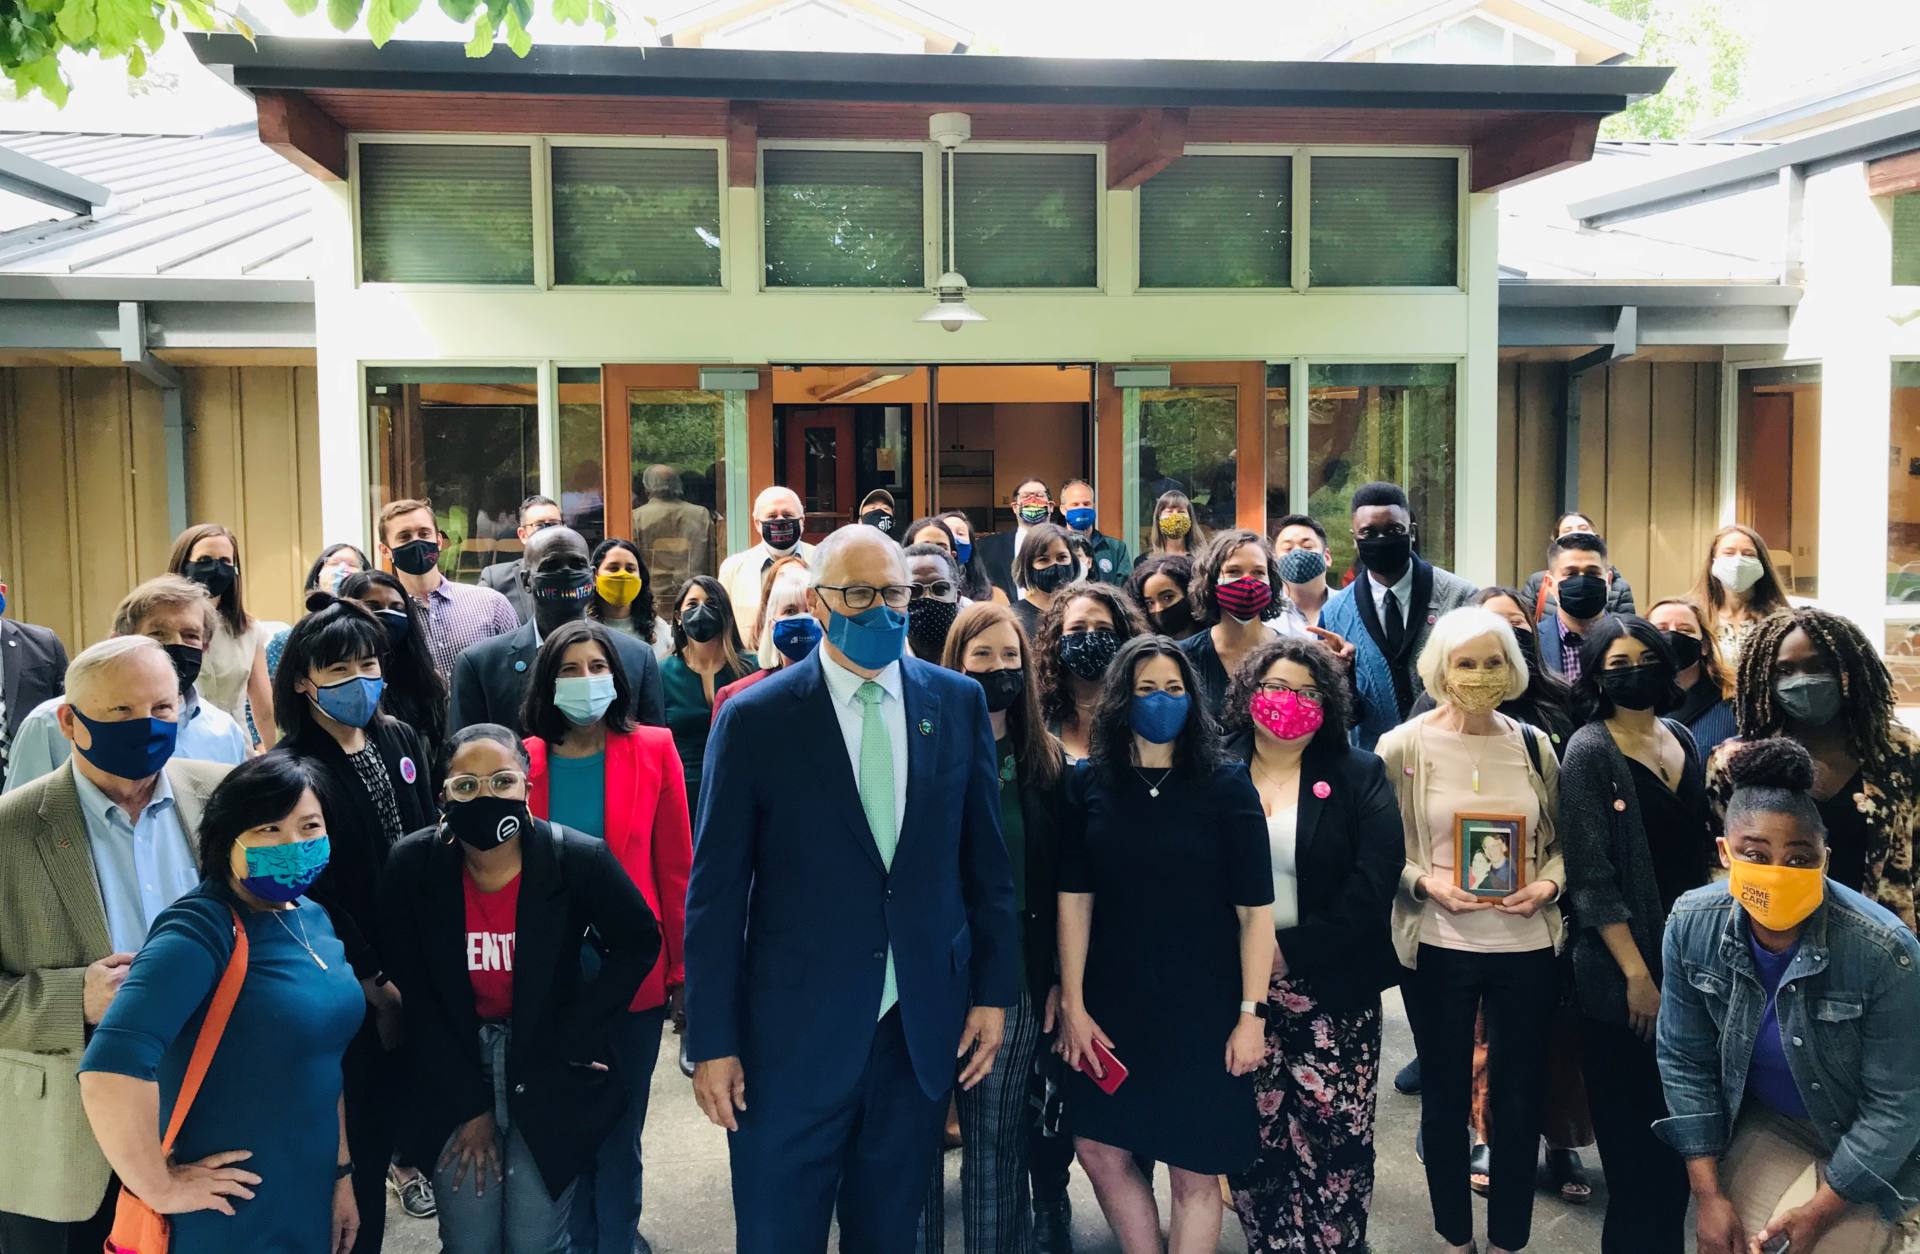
x=593, y=770
x=327, y=574
x=623, y=595
x=704, y=661
x=1336, y=848
x=1043, y=566
x=936, y=600
x=1078, y=640
x=788, y=630
x=513, y=1078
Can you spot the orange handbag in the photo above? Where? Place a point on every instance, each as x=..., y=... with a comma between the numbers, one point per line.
x=137, y=1227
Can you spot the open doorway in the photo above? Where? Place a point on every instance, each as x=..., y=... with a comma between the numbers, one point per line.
x=841, y=433
x=999, y=425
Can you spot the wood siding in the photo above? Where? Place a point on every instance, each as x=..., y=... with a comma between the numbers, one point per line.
x=83, y=473
x=1649, y=437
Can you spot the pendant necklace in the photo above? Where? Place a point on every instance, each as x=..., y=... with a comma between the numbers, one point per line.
x=301, y=939
x=1153, y=786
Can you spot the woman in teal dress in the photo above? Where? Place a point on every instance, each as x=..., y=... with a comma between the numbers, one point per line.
x=704, y=661
x=261, y=1162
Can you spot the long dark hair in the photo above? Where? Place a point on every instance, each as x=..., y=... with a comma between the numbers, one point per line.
x=1590, y=700
x=229, y=604
x=718, y=598
x=1038, y=752
x=1044, y=672
x=597, y=606
x=415, y=693
x=334, y=631
x=1195, y=750
x=1550, y=696
x=259, y=790
x=1039, y=539
x=1865, y=687
x=539, y=716
x=974, y=583
x=1328, y=676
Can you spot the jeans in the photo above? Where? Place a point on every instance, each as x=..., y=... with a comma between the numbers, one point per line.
x=1519, y=993
x=606, y=1198
x=515, y=1214
x=1646, y=1181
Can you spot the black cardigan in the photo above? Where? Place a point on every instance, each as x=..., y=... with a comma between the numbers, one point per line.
x=1349, y=850
x=571, y=890
x=1040, y=813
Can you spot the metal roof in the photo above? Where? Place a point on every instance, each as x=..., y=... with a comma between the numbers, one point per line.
x=186, y=208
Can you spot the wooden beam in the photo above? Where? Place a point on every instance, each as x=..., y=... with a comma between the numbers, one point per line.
x=1894, y=176
x=1520, y=151
x=298, y=130
x=1146, y=145
x=743, y=143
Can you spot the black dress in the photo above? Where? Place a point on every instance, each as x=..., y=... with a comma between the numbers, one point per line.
x=1163, y=964
x=1847, y=835
x=1676, y=826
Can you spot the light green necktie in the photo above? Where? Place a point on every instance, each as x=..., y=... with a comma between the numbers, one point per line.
x=876, y=798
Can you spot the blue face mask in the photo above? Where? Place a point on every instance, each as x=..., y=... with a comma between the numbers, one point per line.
x=796, y=637
x=134, y=749
x=871, y=639
x=1080, y=519
x=283, y=872
x=963, y=550
x=351, y=702
x=398, y=626
x=1158, y=716
x=1302, y=566
x=583, y=698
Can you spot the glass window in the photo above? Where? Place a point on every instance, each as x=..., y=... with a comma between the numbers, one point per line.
x=1903, y=492
x=1279, y=454
x=679, y=443
x=1026, y=219
x=1218, y=222
x=582, y=504
x=844, y=218
x=1384, y=222
x=1187, y=442
x=636, y=216
x=1902, y=643
x=1777, y=472
x=1387, y=422
x=466, y=437
x=1906, y=238
x=407, y=234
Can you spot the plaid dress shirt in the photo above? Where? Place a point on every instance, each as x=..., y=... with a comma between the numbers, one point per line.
x=459, y=615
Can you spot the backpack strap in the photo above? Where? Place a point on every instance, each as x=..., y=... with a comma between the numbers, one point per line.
x=212, y=1028
x=1533, y=748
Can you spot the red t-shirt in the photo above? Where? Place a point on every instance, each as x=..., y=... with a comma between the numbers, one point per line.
x=490, y=936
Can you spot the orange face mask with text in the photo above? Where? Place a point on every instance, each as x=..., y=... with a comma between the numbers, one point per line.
x=1779, y=898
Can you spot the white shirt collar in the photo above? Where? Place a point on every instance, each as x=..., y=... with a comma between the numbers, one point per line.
x=1401, y=588
x=843, y=684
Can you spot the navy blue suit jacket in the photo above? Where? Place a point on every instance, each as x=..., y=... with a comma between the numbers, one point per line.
x=790, y=909
x=1552, y=639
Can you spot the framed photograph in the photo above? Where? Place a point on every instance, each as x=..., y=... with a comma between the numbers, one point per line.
x=1490, y=853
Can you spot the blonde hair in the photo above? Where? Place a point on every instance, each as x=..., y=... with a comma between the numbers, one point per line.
x=109, y=654
x=788, y=575
x=1462, y=627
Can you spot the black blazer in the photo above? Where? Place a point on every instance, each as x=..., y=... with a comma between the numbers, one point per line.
x=995, y=550
x=1349, y=849
x=1040, y=813
x=348, y=887
x=572, y=890
x=33, y=667
x=490, y=680
x=504, y=578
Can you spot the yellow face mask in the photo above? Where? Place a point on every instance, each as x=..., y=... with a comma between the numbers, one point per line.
x=618, y=588
x=1476, y=692
x=1175, y=525
x=1779, y=898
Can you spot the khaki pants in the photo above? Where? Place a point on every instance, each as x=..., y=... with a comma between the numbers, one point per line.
x=1774, y=1164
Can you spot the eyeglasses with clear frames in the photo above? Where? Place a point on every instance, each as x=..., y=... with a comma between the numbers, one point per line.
x=861, y=596
x=1273, y=687
x=508, y=785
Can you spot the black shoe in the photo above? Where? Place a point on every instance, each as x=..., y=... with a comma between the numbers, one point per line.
x=1420, y=1145
x=1407, y=1080
x=1480, y=1168
x=1053, y=1225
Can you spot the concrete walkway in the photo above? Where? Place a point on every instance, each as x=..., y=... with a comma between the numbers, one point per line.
x=690, y=1208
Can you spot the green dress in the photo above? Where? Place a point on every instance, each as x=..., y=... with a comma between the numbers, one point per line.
x=690, y=713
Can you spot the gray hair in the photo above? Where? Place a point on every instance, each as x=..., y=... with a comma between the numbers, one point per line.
x=826, y=556
x=1460, y=627
x=96, y=661
x=789, y=581
x=768, y=495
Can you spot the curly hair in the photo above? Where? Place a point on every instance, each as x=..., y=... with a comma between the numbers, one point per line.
x=1196, y=749
x=1866, y=689
x=1048, y=676
x=1206, y=572
x=1328, y=676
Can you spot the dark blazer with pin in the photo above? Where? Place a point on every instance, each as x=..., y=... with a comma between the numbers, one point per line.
x=490, y=680
x=1349, y=850
x=571, y=887
x=504, y=578
x=33, y=667
x=52, y=927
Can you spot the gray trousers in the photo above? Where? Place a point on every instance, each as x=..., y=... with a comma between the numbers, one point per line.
x=515, y=1214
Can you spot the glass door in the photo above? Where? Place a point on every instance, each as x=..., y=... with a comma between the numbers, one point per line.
x=1204, y=437
x=820, y=464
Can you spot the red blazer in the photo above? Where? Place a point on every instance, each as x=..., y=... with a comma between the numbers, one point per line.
x=649, y=834
x=737, y=687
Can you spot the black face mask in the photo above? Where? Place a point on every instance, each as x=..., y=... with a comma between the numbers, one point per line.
x=1581, y=596
x=1635, y=687
x=564, y=586
x=416, y=557
x=1050, y=579
x=212, y=574
x=780, y=533
x=398, y=626
x=1686, y=649
x=701, y=622
x=487, y=822
x=928, y=622
x=1088, y=653
x=1173, y=620
x=186, y=663
x=878, y=518
x=1386, y=556
x=1003, y=687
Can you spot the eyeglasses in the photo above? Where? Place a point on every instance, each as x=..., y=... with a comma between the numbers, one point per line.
x=509, y=785
x=861, y=596
x=1273, y=687
x=939, y=590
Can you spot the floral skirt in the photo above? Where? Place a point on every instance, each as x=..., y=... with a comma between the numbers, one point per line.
x=1309, y=1191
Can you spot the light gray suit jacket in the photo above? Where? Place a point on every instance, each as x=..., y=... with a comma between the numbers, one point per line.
x=53, y=925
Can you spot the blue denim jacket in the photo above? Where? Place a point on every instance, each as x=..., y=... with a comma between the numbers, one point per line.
x=1849, y=1007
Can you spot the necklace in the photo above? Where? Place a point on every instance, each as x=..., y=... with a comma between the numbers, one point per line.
x=301, y=939
x=1153, y=786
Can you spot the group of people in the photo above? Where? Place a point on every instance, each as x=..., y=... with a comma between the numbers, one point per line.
x=1109, y=859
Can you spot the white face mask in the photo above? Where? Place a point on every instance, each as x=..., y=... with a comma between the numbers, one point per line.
x=1737, y=573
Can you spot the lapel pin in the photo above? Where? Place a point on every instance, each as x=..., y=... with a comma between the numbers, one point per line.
x=1406, y=770
x=1432, y=619
x=408, y=771
x=63, y=843
x=1619, y=806
x=926, y=727
x=519, y=666
x=1322, y=789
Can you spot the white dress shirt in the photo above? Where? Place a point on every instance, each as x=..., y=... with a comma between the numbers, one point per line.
x=843, y=686
x=1402, y=593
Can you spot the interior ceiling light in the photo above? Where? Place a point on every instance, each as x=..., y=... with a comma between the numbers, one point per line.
x=860, y=385
x=950, y=307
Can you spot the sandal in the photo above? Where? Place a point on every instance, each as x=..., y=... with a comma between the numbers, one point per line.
x=1480, y=1169
x=1570, y=1174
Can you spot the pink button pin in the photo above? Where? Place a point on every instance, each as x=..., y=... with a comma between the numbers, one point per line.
x=1619, y=806
x=1432, y=619
x=1322, y=789
x=1407, y=770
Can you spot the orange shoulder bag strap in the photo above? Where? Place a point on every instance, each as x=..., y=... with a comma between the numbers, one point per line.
x=137, y=1227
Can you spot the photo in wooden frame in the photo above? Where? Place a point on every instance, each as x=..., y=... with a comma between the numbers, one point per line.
x=1490, y=853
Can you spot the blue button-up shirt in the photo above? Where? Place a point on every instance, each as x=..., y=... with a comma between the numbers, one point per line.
x=143, y=866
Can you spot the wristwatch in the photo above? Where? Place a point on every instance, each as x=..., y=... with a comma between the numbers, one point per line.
x=1258, y=1009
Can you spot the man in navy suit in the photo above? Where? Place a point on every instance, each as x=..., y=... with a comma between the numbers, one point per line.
x=850, y=939
x=1580, y=579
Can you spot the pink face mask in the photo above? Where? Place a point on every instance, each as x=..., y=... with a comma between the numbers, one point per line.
x=1287, y=715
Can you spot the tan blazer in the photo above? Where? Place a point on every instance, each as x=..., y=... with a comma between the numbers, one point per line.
x=53, y=925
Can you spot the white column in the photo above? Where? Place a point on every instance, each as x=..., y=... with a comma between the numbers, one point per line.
x=344, y=511
x=1477, y=428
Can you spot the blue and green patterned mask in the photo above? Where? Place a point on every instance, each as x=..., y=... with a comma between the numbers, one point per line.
x=283, y=872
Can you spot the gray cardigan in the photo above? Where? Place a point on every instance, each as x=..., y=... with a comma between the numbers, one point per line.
x=1609, y=863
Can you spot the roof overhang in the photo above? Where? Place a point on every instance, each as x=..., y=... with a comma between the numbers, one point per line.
x=1550, y=314
x=162, y=327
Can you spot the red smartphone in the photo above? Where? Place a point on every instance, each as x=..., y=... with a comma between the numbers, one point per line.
x=1115, y=1069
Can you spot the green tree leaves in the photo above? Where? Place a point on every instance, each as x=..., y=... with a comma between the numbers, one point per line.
x=1709, y=56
